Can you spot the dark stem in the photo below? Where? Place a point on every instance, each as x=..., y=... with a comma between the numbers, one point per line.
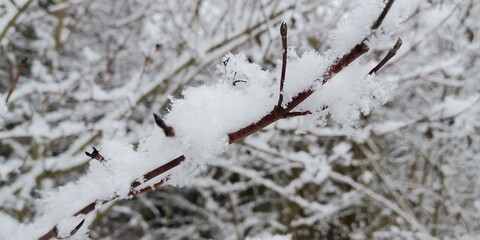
x=296, y=114
x=382, y=16
x=283, y=33
x=391, y=53
x=159, y=170
x=19, y=72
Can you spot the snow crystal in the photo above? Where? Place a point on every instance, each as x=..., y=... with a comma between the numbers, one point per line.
x=348, y=95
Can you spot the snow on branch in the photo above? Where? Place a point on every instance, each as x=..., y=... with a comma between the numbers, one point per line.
x=209, y=118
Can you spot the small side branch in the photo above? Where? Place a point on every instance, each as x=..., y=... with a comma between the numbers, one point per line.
x=169, y=132
x=380, y=19
x=391, y=53
x=54, y=232
x=157, y=171
x=296, y=114
x=19, y=72
x=283, y=33
x=150, y=188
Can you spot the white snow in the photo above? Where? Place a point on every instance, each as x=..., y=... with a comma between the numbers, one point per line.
x=204, y=116
x=269, y=236
x=3, y=109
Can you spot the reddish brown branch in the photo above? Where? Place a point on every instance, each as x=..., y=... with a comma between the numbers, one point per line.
x=283, y=33
x=159, y=170
x=54, y=232
x=19, y=72
x=169, y=132
x=148, y=176
x=382, y=16
x=150, y=188
x=275, y=114
x=296, y=114
x=391, y=53
x=279, y=113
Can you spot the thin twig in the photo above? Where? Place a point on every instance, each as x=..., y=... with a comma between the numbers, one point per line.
x=296, y=114
x=391, y=53
x=380, y=19
x=150, y=188
x=159, y=170
x=19, y=72
x=283, y=33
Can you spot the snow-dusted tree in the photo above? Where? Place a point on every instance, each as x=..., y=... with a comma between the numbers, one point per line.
x=331, y=167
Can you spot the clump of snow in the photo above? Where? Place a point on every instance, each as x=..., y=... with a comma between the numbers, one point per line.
x=269, y=236
x=302, y=72
x=348, y=95
x=3, y=109
x=8, y=225
x=355, y=26
x=206, y=114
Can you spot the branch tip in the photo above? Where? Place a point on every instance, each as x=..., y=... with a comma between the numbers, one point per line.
x=380, y=18
x=391, y=53
x=169, y=132
x=283, y=29
x=283, y=33
x=95, y=154
x=77, y=228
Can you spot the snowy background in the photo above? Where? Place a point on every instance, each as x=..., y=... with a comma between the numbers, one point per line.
x=390, y=156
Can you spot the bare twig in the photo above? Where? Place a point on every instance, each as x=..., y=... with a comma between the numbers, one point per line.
x=19, y=72
x=296, y=114
x=283, y=33
x=391, y=53
x=380, y=19
x=157, y=171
